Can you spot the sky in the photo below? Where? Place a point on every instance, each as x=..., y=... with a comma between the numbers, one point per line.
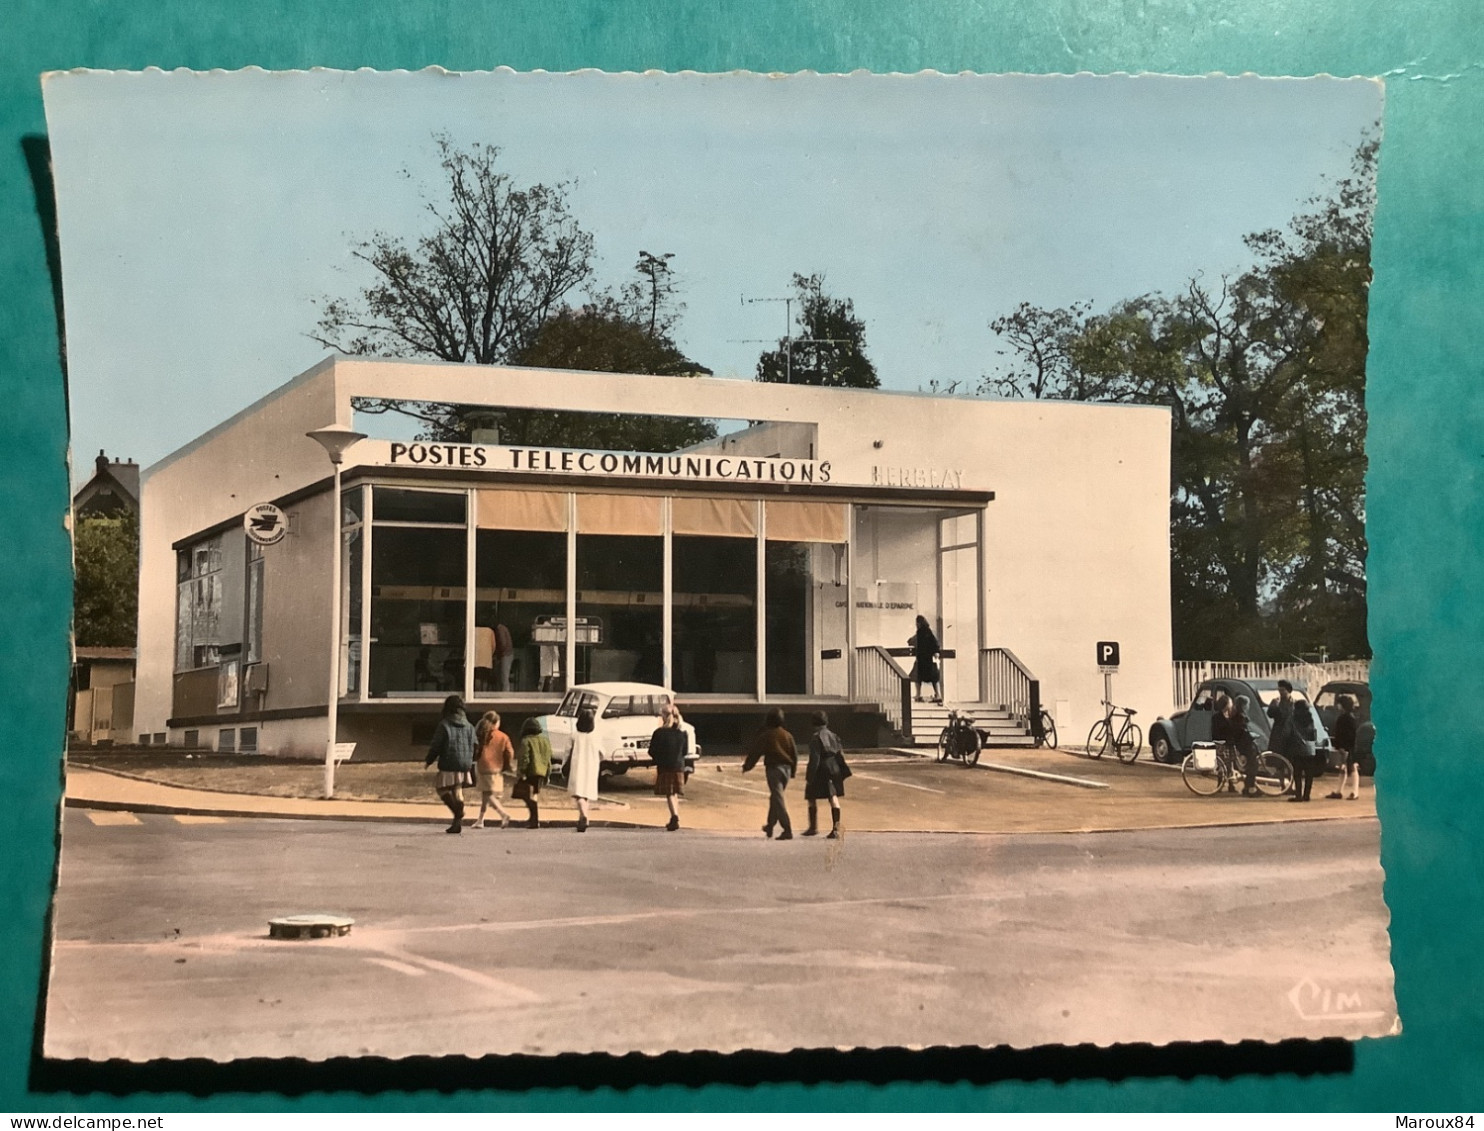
x=203, y=215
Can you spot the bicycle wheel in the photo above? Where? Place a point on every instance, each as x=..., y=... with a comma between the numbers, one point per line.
x=943, y=738
x=1098, y=738
x=969, y=748
x=1048, y=730
x=1274, y=774
x=1130, y=742
x=1202, y=782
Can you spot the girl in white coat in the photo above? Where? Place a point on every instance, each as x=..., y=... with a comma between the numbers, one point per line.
x=582, y=767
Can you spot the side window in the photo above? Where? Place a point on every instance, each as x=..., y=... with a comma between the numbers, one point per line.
x=1202, y=701
x=254, y=604
x=198, y=605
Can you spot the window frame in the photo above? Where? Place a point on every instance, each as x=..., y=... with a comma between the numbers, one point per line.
x=189, y=575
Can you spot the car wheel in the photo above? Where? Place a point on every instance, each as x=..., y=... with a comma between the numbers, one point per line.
x=1159, y=747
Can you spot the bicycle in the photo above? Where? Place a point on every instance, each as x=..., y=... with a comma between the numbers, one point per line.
x=1126, y=743
x=1043, y=730
x=959, y=740
x=1209, y=768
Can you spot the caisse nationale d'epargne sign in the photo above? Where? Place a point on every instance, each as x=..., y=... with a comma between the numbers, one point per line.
x=265, y=524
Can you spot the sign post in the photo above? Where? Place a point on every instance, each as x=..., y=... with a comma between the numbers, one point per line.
x=1107, y=664
x=335, y=439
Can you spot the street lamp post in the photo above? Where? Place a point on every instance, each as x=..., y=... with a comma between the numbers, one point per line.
x=335, y=440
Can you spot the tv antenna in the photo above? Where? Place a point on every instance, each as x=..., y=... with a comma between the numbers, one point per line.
x=788, y=339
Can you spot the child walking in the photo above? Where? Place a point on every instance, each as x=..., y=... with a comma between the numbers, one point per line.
x=496, y=758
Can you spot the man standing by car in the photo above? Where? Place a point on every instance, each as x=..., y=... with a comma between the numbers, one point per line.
x=1294, y=736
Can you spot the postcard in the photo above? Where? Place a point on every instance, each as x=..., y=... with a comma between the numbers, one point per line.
x=671, y=562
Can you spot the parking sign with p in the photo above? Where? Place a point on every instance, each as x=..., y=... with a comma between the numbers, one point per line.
x=1107, y=653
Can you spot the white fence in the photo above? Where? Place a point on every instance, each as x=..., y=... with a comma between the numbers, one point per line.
x=1188, y=674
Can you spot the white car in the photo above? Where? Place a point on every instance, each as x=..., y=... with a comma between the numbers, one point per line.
x=626, y=715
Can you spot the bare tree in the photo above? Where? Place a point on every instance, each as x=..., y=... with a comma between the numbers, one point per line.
x=652, y=301
x=498, y=262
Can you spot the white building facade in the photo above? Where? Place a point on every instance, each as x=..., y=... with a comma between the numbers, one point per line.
x=783, y=564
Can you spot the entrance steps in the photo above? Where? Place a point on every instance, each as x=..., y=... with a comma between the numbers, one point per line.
x=1003, y=728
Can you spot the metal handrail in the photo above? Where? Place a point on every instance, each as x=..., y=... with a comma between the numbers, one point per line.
x=1011, y=686
x=880, y=679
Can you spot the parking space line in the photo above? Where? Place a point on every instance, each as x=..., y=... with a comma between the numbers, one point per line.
x=400, y=967
x=739, y=788
x=893, y=781
x=111, y=817
x=198, y=819
x=477, y=978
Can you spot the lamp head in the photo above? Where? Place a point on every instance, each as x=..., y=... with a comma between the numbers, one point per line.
x=335, y=439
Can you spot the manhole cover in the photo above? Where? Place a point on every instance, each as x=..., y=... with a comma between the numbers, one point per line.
x=309, y=926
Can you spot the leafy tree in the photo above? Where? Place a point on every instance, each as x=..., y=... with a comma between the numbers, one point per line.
x=479, y=286
x=1039, y=342
x=831, y=350
x=105, y=588
x=1264, y=375
x=599, y=338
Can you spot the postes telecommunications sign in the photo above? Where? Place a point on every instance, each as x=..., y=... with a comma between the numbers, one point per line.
x=581, y=461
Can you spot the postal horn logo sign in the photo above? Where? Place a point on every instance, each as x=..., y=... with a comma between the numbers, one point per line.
x=265, y=524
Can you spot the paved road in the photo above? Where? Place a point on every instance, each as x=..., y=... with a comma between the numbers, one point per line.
x=618, y=940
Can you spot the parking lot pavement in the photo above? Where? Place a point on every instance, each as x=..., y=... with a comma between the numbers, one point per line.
x=897, y=793
x=889, y=792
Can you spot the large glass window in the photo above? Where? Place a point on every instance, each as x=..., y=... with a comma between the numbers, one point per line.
x=419, y=556
x=958, y=572
x=520, y=609
x=715, y=615
x=254, y=626
x=807, y=591
x=350, y=587
x=198, y=605
x=620, y=603
x=620, y=588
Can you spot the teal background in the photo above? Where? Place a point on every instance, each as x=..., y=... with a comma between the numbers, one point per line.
x=1427, y=417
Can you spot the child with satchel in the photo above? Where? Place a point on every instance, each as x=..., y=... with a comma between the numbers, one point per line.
x=532, y=768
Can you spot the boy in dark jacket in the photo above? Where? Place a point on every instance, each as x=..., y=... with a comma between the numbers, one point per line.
x=775, y=747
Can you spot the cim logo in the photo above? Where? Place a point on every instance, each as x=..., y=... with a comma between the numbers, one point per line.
x=1314, y=1002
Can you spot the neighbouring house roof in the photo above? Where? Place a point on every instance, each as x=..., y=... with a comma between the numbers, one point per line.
x=104, y=653
x=113, y=490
